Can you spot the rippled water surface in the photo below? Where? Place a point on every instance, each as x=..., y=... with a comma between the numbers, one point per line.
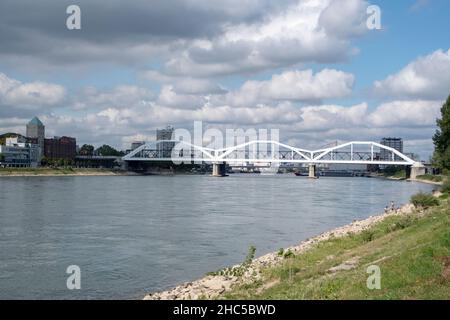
x=131, y=235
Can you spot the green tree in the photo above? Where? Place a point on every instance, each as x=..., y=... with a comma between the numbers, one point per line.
x=45, y=161
x=2, y=157
x=106, y=150
x=60, y=162
x=87, y=150
x=441, y=139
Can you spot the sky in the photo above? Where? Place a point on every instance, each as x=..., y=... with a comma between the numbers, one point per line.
x=310, y=68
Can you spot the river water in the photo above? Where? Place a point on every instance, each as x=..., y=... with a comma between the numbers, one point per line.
x=134, y=234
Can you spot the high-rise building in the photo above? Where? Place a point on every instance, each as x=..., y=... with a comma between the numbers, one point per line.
x=164, y=146
x=394, y=143
x=36, y=130
x=164, y=134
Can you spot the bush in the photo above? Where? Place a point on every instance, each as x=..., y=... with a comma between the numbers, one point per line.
x=446, y=185
x=280, y=252
x=401, y=224
x=288, y=254
x=367, y=235
x=424, y=200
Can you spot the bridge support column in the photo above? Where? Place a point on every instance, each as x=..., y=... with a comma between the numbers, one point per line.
x=312, y=171
x=219, y=169
x=408, y=172
x=417, y=169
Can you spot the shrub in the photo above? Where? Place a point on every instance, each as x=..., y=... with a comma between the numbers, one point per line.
x=288, y=254
x=367, y=235
x=280, y=252
x=424, y=200
x=446, y=185
x=401, y=224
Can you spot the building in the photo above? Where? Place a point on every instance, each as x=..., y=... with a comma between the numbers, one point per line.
x=164, y=134
x=165, y=146
x=60, y=148
x=136, y=144
x=395, y=143
x=17, y=153
x=36, y=130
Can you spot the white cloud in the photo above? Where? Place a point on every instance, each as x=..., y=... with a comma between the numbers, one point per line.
x=184, y=85
x=31, y=95
x=169, y=98
x=329, y=117
x=296, y=86
x=308, y=31
x=123, y=96
x=345, y=18
x=406, y=114
x=425, y=78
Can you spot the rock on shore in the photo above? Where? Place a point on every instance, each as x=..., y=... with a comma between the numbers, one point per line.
x=211, y=287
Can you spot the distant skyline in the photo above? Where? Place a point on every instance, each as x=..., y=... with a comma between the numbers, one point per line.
x=310, y=68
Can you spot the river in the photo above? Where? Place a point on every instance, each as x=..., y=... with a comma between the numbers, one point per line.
x=131, y=235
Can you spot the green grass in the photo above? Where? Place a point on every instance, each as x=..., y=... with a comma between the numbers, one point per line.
x=413, y=253
x=430, y=177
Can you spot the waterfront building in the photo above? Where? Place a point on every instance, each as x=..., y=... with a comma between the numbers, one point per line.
x=18, y=153
x=60, y=148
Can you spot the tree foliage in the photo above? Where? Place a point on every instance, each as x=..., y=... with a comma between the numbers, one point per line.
x=106, y=150
x=87, y=150
x=442, y=138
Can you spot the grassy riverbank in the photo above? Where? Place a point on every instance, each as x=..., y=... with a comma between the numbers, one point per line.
x=25, y=172
x=431, y=178
x=412, y=251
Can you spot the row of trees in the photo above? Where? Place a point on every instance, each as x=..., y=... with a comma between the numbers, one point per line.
x=104, y=150
x=441, y=139
x=85, y=150
x=47, y=162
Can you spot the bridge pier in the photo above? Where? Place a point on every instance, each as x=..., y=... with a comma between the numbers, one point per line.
x=417, y=169
x=219, y=169
x=312, y=171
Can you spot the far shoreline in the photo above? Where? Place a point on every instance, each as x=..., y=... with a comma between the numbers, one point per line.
x=63, y=172
x=96, y=172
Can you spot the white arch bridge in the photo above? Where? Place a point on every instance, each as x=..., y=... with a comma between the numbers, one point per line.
x=267, y=152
